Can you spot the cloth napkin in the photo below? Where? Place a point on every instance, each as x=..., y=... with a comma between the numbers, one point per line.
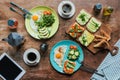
x=110, y=67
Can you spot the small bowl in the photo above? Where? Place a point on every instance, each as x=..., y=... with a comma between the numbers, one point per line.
x=12, y=23
x=31, y=57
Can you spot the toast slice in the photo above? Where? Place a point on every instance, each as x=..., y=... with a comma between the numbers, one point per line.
x=75, y=30
x=86, y=38
x=93, y=25
x=83, y=17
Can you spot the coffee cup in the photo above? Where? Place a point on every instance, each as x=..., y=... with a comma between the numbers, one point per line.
x=66, y=9
x=31, y=57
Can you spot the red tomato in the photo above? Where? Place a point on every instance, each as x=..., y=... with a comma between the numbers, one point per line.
x=45, y=12
x=49, y=12
x=75, y=47
x=71, y=47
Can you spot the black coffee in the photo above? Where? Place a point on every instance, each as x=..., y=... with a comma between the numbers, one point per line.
x=31, y=56
x=66, y=8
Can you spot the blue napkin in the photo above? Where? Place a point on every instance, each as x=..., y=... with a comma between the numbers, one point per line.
x=110, y=67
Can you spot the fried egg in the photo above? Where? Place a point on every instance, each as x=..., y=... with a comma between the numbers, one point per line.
x=59, y=55
x=35, y=17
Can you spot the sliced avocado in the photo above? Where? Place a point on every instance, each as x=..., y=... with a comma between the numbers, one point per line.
x=74, y=57
x=44, y=33
x=42, y=29
x=70, y=65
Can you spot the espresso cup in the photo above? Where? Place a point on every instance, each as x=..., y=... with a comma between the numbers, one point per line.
x=31, y=57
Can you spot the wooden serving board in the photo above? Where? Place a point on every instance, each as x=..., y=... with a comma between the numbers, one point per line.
x=76, y=32
x=105, y=28
x=90, y=47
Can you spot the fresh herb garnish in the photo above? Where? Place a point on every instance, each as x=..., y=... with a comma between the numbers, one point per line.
x=84, y=39
x=82, y=17
x=45, y=21
x=48, y=20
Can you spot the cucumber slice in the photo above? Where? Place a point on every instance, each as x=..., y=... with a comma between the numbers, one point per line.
x=71, y=52
x=77, y=53
x=74, y=57
x=69, y=56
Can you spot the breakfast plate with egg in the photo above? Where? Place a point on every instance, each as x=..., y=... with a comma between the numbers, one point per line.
x=43, y=23
x=65, y=56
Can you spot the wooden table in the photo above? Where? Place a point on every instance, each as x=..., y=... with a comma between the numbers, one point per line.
x=44, y=70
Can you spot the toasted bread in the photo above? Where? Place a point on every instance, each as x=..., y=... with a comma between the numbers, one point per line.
x=83, y=17
x=75, y=30
x=93, y=25
x=86, y=38
x=67, y=67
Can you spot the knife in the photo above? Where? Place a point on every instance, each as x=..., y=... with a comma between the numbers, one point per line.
x=21, y=8
x=84, y=67
x=14, y=10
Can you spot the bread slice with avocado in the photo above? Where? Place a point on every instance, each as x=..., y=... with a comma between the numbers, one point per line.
x=86, y=38
x=93, y=25
x=83, y=17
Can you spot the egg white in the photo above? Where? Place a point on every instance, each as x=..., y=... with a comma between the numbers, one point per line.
x=59, y=61
x=32, y=23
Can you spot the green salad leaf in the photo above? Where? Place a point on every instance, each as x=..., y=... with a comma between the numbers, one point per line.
x=45, y=21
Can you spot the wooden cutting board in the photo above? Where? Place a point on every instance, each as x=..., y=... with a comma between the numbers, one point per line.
x=90, y=47
x=105, y=28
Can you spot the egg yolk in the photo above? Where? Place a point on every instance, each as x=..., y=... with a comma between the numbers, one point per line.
x=35, y=17
x=58, y=55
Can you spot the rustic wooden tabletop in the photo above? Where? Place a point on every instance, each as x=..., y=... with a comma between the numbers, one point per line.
x=44, y=70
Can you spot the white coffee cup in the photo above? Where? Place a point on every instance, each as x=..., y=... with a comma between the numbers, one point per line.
x=31, y=57
x=66, y=9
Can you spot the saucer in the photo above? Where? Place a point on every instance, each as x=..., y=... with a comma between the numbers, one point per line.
x=60, y=9
x=27, y=61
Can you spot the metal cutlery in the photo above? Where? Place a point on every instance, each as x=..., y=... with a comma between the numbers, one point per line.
x=85, y=67
x=21, y=8
x=26, y=14
x=14, y=10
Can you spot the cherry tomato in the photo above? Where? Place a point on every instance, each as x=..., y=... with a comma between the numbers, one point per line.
x=45, y=12
x=71, y=47
x=75, y=47
x=49, y=13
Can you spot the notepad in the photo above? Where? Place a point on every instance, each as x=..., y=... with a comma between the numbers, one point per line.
x=9, y=69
